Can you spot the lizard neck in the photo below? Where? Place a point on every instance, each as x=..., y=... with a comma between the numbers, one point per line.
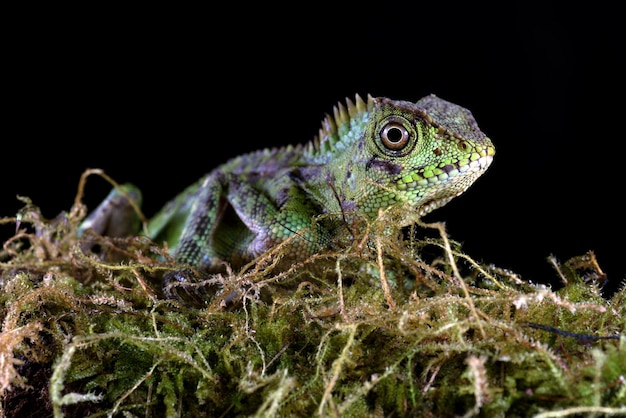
x=334, y=165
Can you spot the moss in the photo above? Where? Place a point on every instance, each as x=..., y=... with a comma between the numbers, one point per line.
x=406, y=326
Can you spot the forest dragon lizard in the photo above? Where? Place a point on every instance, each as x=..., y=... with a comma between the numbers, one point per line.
x=369, y=155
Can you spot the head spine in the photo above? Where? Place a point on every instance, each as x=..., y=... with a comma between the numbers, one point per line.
x=342, y=114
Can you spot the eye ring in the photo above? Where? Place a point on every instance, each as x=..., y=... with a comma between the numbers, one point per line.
x=394, y=136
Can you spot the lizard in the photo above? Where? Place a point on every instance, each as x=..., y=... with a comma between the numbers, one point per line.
x=370, y=154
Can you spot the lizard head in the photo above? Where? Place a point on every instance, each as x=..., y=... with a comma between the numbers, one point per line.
x=388, y=152
x=423, y=153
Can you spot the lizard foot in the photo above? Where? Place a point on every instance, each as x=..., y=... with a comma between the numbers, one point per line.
x=187, y=287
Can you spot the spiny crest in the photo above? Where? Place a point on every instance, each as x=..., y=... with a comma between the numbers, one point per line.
x=342, y=114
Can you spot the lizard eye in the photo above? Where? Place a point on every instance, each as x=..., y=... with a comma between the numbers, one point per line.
x=397, y=136
x=394, y=136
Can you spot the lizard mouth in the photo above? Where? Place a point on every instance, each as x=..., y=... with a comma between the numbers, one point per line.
x=473, y=170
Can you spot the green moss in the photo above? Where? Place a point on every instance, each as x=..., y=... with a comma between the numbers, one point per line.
x=404, y=327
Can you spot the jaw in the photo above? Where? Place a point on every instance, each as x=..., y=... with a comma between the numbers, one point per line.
x=432, y=205
x=458, y=186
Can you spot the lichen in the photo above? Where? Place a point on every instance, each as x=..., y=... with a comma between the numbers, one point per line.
x=398, y=325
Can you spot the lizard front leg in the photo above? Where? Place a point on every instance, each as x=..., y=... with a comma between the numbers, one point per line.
x=234, y=219
x=202, y=232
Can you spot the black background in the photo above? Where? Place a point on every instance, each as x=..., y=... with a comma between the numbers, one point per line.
x=160, y=96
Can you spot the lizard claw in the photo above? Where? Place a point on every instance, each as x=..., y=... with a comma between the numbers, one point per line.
x=196, y=289
x=183, y=285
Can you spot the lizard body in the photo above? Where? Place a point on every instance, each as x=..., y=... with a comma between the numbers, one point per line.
x=369, y=155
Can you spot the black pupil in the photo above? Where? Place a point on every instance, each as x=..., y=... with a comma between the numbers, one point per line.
x=394, y=135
